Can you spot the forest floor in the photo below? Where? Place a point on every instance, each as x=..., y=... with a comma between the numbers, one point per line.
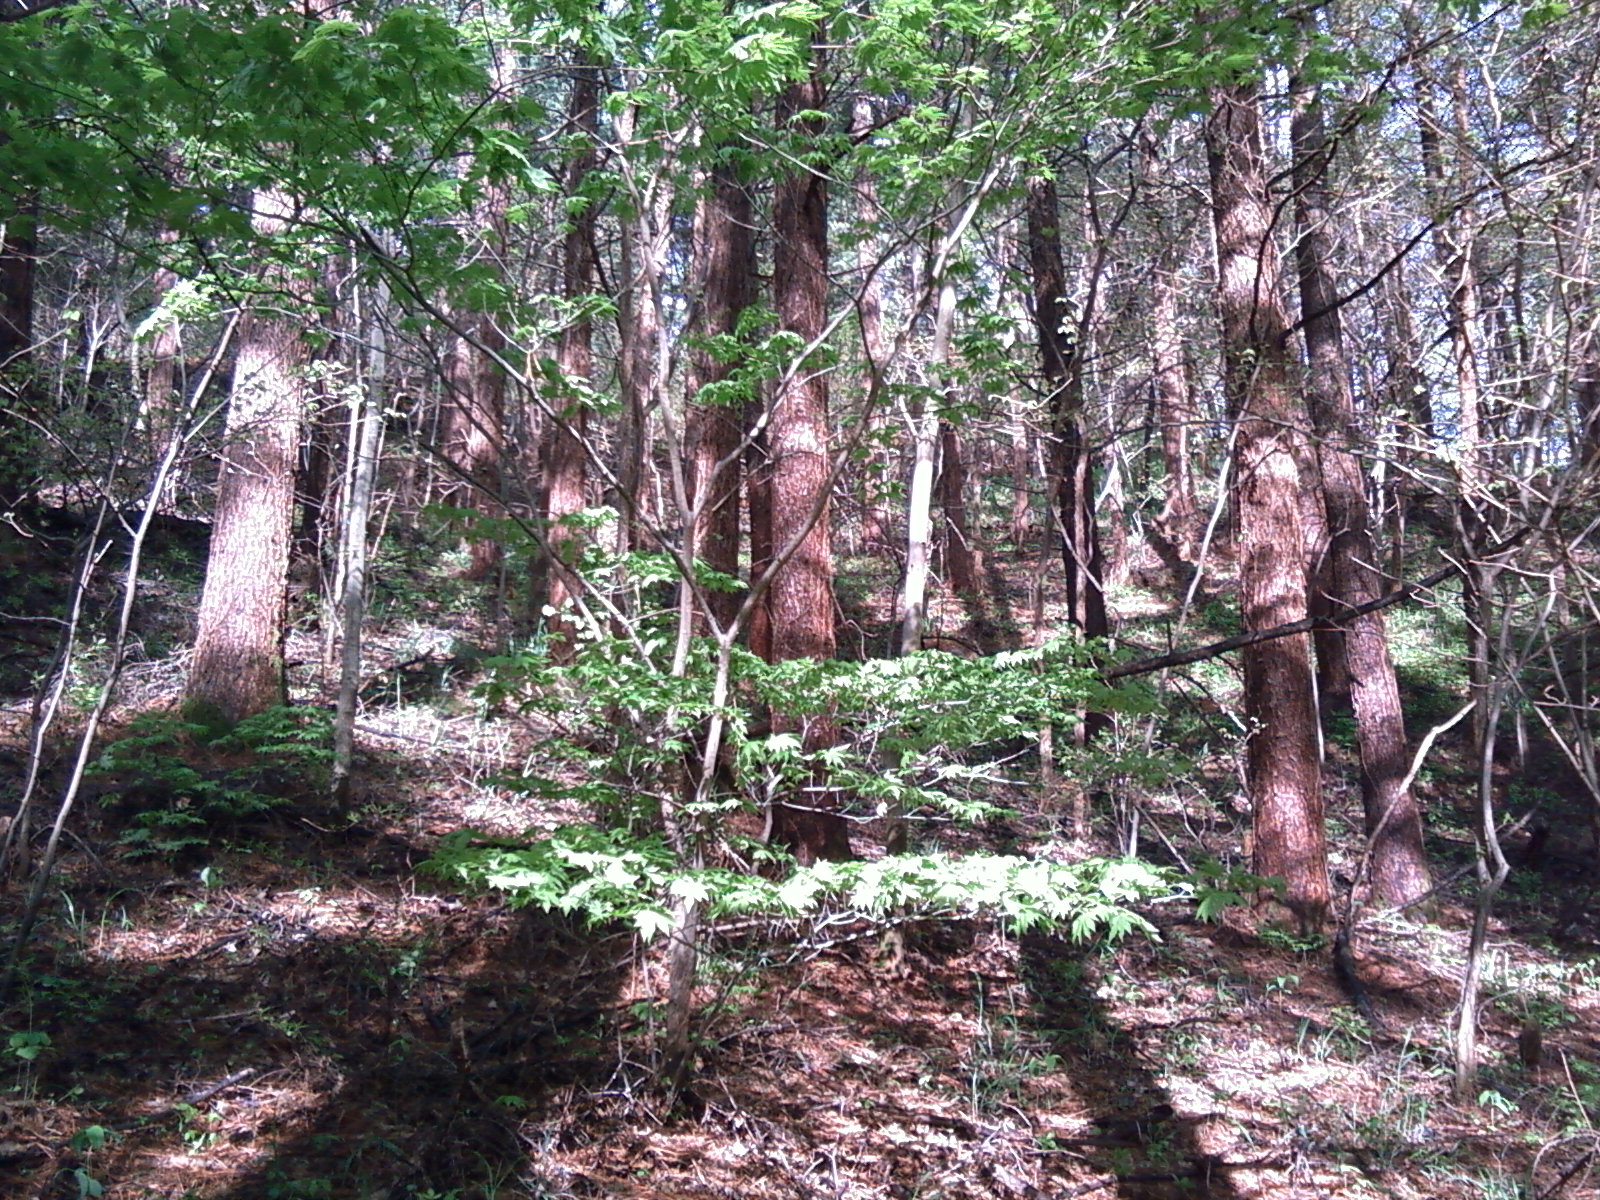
x=295, y=1012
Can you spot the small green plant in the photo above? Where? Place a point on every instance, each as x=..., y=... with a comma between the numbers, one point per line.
x=185, y=777
x=197, y=1129
x=1281, y=937
x=28, y=1044
x=1282, y=985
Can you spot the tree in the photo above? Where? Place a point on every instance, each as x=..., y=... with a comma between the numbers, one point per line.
x=1348, y=576
x=1071, y=479
x=237, y=668
x=1281, y=756
x=800, y=595
x=722, y=290
x=563, y=461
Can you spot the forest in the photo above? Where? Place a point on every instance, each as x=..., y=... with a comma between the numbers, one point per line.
x=823, y=599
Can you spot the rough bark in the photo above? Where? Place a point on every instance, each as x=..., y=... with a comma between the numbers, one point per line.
x=564, y=464
x=237, y=667
x=1281, y=756
x=723, y=288
x=1399, y=867
x=800, y=599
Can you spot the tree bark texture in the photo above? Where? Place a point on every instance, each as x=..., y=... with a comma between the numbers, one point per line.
x=723, y=288
x=564, y=466
x=237, y=668
x=1282, y=755
x=1348, y=578
x=800, y=599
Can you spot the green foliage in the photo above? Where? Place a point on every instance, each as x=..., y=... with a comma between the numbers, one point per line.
x=28, y=1044
x=186, y=776
x=925, y=734
x=610, y=875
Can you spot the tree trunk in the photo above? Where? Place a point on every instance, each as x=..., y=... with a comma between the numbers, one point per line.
x=800, y=599
x=1399, y=866
x=723, y=288
x=1454, y=243
x=1281, y=757
x=1071, y=472
x=963, y=559
x=366, y=437
x=564, y=466
x=875, y=521
x=237, y=669
x=17, y=251
x=1174, y=412
x=18, y=248
x=919, y=528
x=474, y=435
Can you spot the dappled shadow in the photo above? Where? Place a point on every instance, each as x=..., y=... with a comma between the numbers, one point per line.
x=1153, y=1144
x=303, y=1020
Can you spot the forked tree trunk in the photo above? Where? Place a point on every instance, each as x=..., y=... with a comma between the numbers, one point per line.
x=1399, y=867
x=237, y=669
x=800, y=599
x=1281, y=758
x=564, y=465
x=723, y=288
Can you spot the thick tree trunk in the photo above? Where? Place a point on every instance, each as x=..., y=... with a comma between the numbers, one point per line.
x=723, y=288
x=1399, y=867
x=1281, y=757
x=564, y=464
x=237, y=669
x=800, y=599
